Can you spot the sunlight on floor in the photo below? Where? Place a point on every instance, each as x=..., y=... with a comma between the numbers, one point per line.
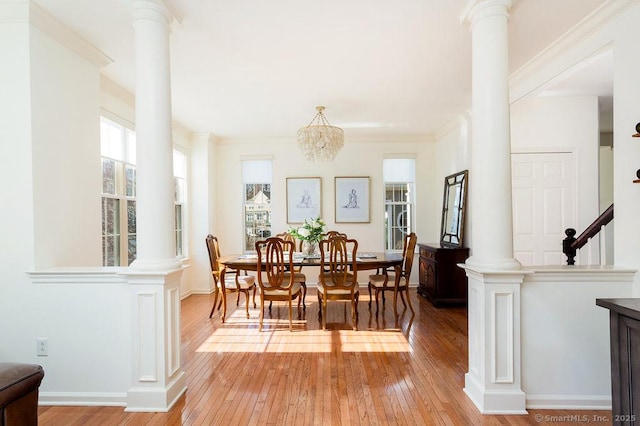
x=240, y=334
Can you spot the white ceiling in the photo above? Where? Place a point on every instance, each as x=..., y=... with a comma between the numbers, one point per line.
x=257, y=68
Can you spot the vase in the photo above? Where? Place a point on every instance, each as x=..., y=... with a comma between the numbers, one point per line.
x=309, y=248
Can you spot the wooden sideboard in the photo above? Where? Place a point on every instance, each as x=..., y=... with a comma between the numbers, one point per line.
x=441, y=280
x=624, y=326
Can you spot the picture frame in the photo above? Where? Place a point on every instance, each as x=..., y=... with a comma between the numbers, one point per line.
x=352, y=199
x=304, y=198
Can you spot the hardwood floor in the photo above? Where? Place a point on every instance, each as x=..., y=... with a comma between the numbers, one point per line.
x=409, y=372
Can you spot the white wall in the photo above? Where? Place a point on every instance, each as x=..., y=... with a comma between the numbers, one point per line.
x=626, y=107
x=16, y=171
x=565, y=337
x=66, y=157
x=564, y=124
x=606, y=199
x=454, y=155
x=203, y=204
x=51, y=118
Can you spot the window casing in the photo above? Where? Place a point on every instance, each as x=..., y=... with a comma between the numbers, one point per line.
x=399, y=204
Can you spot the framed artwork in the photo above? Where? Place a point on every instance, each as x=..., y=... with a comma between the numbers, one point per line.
x=304, y=198
x=352, y=199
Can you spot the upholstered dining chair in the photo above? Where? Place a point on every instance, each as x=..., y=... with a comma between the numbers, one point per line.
x=385, y=280
x=298, y=275
x=233, y=280
x=339, y=277
x=277, y=283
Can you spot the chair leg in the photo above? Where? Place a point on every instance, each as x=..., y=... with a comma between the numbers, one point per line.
x=215, y=300
x=324, y=314
x=402, y=298
x=290, y=316
x=354, y=313
x=261, y=312
x=238, y=299
x=223, y=303
x=409, y=299
x=246, y=302
x=254, y=296
x=304, y=295
x=377, y=305
x=383, y=299
x=369, y=286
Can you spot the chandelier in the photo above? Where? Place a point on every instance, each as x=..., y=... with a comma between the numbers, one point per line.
x=320, y=141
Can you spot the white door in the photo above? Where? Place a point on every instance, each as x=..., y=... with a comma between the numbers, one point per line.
x=544, y=205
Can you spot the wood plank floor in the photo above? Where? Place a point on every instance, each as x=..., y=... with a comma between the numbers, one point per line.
x=404, y=372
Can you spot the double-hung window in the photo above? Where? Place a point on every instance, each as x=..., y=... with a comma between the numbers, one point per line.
x=399, y=200
x=118, y=152
x=256, y=182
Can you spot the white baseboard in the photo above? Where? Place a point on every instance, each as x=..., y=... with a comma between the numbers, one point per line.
x=100, y=399
x=569, y=402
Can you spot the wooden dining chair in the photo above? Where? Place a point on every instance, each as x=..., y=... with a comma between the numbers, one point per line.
x=330, y=234
x=385, y=280
x=277, y=283
x=340, y=281
x=298, y=275
x=233, y=280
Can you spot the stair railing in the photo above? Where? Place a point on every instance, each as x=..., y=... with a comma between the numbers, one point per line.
x=571, y=245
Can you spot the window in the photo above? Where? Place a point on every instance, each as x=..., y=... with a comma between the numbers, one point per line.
x=256, y=179
x=118, y=151
x=179, y=181
x=399, y=177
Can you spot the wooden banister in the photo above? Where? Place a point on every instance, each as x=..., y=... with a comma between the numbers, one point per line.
x=571, y=245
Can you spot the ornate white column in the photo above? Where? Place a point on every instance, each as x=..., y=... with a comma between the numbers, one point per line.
x=494, y=379
x=154, y=277
x=490, y=177
x=155, y=216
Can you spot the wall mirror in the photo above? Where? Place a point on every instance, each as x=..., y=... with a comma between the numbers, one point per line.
x=453, y=209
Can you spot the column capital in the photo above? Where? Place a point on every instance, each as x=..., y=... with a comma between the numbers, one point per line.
x=160, y=11
x=477, y=10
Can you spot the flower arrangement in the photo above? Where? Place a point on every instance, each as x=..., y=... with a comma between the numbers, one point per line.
x=312, y=230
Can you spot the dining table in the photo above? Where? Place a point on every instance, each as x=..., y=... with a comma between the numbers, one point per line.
x=365, y=261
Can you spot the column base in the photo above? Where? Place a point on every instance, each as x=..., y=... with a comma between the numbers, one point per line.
x=493, y=264
x=156, y=398
x=495, y=401
x=156, y=264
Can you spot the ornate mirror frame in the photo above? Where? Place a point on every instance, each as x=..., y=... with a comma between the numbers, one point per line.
x=453, y=209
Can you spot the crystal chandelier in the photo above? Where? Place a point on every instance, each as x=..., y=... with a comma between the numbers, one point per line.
x=320, y=141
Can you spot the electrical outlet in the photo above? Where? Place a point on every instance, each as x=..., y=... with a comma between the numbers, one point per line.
x=42, y=348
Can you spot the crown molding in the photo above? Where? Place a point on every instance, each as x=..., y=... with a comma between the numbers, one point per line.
x=588, y=26
x=42, y=20
x=454, y=124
